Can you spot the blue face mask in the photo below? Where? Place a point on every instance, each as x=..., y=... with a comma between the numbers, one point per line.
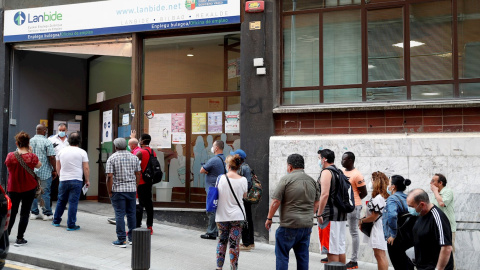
x=413, y=212
x=389, y=191
x=61, y=134
x=320, y=163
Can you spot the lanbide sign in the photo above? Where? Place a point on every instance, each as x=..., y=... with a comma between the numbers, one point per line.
x=254, y=6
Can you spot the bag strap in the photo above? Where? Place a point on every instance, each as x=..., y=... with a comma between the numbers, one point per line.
x=224, y=169
x=235, y=196
x=24, y=165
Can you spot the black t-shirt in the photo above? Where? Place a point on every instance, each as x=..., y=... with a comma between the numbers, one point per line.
x=430, y=233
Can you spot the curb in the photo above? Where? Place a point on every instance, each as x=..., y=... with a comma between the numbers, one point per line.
x=43, y=262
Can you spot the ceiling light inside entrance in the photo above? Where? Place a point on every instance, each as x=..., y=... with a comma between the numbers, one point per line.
x=189, y=55
x=413, y=43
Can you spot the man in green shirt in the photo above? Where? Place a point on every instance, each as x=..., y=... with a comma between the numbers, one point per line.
x=443, y=199
x=297, y=194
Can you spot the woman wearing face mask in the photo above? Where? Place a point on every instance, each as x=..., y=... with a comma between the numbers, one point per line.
x=230, y=211
x=396, y=204
x=374, y=214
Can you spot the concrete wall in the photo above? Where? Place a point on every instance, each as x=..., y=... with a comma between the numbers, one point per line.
x=42, y=81
x=417, y=157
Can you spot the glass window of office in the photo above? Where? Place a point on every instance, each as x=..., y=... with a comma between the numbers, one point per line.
x=383, y=51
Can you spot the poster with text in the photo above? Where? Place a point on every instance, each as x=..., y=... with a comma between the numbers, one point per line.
x=179, y=138
x=178, y=122
x=107, y=126
x=232, y=122
x=215, y=122
x=199, y=123
x=160, y=129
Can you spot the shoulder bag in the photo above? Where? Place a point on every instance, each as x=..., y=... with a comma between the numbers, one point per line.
x=245, y=223
x=39, y=191
x=212, y=195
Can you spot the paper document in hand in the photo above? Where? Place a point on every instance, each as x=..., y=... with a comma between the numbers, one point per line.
x=84, y=189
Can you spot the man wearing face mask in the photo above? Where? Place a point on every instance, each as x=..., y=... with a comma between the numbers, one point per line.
x=59, y=142
x=213, y=168
x=432, y=235
x=43, y=148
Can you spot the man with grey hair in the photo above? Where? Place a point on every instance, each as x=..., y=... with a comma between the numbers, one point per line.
x=123, y=175
x=432, y=236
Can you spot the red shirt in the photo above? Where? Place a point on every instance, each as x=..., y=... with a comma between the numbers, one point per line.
x=19, y=180
x=145, y=157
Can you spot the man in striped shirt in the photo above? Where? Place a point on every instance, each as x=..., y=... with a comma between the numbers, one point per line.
x=432, y=236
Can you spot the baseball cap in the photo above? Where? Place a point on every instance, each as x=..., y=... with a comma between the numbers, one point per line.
x=239, y=152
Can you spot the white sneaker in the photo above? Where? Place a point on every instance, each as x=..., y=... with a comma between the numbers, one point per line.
x=48, y=217
x=33, y=216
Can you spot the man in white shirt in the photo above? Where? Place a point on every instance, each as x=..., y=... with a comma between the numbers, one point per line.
x=59, y=140
x=72, y=164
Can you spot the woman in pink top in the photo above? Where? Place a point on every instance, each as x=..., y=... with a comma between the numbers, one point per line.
x=21, y=185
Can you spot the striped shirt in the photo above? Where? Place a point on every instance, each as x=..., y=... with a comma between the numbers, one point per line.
x=43, y=148
x=123, y=165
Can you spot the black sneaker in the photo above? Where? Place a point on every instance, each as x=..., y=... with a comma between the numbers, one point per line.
x=20, y=242
x=324, y=260
x=352, y=265
x=208, y=236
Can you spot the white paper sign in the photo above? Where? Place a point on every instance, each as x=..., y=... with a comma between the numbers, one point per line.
x=232, y=122
x=160, y=129
x=107, y=126
x=179, y=138
x=73, y=127
x=125, y=120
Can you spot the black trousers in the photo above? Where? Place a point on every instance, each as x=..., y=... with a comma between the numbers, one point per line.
x=144, y=193
x=26, y=198
x=399, y=259
x=247, y=233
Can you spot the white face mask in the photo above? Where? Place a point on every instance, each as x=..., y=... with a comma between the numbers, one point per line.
x=212, y=149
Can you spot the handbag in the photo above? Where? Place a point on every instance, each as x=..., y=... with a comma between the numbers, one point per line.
x=366, y=228
x=212, y=195
x=245, y=223
x=39, y=191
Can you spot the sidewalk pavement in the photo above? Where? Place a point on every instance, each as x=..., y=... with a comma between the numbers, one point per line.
x=90, y=247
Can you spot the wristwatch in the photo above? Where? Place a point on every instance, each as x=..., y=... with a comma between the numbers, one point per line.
x=269, y=218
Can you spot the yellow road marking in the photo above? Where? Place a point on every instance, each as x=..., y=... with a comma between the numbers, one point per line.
x=18, y=267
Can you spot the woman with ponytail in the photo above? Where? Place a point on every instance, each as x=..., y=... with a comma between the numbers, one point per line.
x=230, y=216
x=396, y=204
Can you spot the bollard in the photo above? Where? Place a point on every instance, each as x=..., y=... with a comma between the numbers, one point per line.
x=141, y=249
x=335, y=266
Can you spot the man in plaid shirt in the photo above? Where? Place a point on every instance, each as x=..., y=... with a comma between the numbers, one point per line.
x=43, y=148
x=123, y=174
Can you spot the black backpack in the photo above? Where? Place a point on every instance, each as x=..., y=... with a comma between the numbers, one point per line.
x=153, y=172
x=343, y=198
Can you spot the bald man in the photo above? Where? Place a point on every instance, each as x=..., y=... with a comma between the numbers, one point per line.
x=43, y=148
x=432, y=236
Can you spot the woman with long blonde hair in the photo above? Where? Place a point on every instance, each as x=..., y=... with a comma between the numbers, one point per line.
x=375, y=207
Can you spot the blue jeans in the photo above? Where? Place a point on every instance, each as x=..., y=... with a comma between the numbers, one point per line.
x=47, y=209
x=124, y=204
x=288, y=238
x=68, y=191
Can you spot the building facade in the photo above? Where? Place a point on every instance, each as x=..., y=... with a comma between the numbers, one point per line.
x=397, y=82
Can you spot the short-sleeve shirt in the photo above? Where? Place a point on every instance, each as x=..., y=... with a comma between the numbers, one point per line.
x=356, y=180
x=123, y=165
x=43, y=148
x=71, y=161
x=145, y=158
x=19, y=180
x=214, y=167
x=297, y=193
x=447, y=197
x=430, y=233
x=58, y=144
x=228, y=209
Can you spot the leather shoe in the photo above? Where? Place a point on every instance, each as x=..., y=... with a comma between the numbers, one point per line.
x=208, y=236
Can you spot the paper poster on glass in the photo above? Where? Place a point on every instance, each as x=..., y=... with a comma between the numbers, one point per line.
x=107, y=126
x=178, y=122
x=160, y=129
x=215, y=122
x=179, y=138
x=232, y=122
x=199, y=123
x=73, y=127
